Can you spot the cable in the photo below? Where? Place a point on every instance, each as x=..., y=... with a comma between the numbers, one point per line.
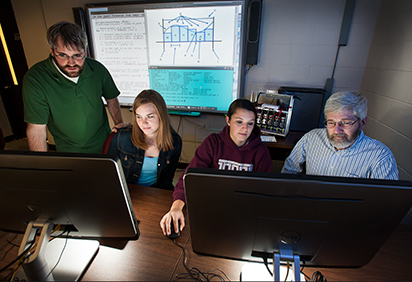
x=61, y=254
x=19, y=258
x=12, y=245
x=317, y=276
x=287, y=271
x=257, y=98
x=248, y=69
x=180, y=123
x=22, y=257
x=265, y=262
x=194, y=273
x=288, y=266
x=5, y=253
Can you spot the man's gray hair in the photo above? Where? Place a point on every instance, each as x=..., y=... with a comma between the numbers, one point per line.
x=72, y=36
x=352, y=101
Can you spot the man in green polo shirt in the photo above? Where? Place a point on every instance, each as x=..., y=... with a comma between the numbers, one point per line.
x=64, y=93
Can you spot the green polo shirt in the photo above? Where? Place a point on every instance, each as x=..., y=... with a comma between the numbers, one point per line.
x=74, y=112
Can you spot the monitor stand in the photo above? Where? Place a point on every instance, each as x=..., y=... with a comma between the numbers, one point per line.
x=259, y=272
x=60, y=259
x=289, y=257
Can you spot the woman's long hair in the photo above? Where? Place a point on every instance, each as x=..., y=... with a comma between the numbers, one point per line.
x=164, y=138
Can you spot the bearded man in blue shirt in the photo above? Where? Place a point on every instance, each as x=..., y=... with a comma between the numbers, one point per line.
x=342, y=149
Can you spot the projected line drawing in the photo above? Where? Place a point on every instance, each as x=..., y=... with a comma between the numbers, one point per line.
x=189, y=33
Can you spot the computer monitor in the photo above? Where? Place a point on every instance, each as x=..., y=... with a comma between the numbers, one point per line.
x=84, y=193
x=322, y=221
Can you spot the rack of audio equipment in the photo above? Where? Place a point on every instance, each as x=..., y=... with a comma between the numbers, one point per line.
x=274, y=111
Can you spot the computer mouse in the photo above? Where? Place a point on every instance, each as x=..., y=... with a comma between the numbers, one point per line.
x=174, y=234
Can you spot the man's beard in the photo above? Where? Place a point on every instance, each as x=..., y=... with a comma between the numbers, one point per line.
x=71, y=73
x=64, y=68
x=344, y=142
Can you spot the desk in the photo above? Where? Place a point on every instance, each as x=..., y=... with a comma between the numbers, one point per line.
x=155, y=257
x=391, y=263
x=152, y=257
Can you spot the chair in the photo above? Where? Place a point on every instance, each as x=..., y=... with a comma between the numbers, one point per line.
x=107, y=142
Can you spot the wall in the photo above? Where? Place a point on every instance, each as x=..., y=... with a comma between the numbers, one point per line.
x=298, y=46
x=387, y=82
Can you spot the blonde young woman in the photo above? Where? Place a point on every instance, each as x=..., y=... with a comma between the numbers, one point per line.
x=149, y=149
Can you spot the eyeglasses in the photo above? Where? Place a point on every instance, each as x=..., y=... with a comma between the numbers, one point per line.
x=342, y=124
x=64, y=57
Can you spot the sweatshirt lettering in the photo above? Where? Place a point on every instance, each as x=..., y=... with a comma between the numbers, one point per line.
x=231, y=165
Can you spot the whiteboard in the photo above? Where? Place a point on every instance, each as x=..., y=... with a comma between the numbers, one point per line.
x=190, y=52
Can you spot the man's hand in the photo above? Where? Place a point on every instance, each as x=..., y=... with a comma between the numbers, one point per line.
x=119, y=125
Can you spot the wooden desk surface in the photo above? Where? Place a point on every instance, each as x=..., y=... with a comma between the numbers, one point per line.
x=152, y=257
x=392, y=262
x=155, y=257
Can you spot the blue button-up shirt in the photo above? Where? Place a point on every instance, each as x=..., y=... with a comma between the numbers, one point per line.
x=366, y=158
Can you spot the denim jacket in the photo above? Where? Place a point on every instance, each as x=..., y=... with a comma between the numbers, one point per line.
x=132, y=157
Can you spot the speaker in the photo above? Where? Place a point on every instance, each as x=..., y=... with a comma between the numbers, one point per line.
x=254, y=15
x=80, y=19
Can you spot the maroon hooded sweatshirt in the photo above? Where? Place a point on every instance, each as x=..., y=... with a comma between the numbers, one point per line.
x=220, y=152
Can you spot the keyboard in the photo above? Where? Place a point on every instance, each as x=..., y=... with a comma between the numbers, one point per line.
x=268, y=138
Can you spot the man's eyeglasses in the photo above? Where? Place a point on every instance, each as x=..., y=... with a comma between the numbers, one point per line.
x=342, y=124
x=64, y=57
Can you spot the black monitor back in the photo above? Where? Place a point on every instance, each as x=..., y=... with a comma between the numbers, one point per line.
x=307, y=107
x=87, y=192
x=327, y=221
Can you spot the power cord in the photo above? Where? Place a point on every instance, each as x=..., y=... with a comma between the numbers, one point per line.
x=10, y=242
x=61, y=254
x=195, y=274
x=19, y=258
x=266, y=263
x=26, y=254
x=248, y=69
x=12, y=245
x=316, y=276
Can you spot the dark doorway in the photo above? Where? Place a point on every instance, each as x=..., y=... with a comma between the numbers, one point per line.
x=12, y=54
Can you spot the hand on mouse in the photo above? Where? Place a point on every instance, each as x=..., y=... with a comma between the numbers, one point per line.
x=175, y=214
x=174, y=233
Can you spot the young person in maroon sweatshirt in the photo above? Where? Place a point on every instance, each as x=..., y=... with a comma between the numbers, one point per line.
x=237, y=147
